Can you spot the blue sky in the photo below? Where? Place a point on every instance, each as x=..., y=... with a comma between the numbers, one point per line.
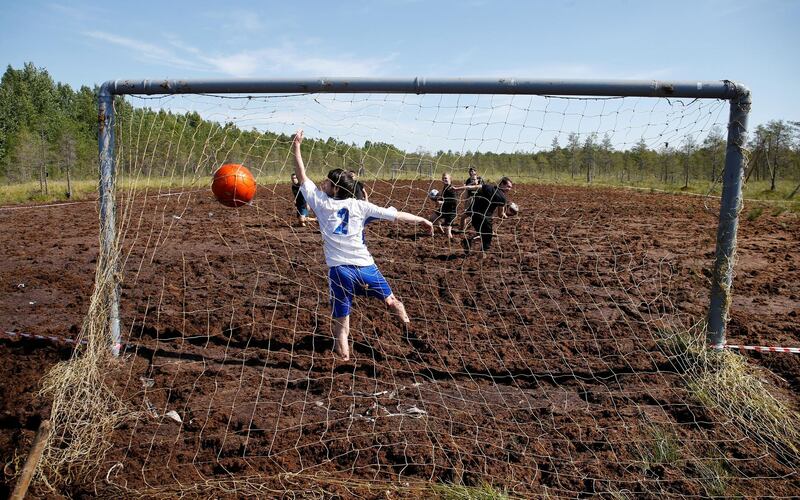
x=86, y=43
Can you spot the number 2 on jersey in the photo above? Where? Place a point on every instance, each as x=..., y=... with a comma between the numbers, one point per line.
x=343, y=214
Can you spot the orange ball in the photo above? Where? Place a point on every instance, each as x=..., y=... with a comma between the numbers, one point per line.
x=233, y=185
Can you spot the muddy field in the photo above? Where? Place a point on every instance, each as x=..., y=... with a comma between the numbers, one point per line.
x=538, y=370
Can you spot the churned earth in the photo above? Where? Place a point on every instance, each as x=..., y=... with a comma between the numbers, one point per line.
x=539, y=370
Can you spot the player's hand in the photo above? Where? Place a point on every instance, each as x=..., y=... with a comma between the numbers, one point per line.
x=428, y=223
x=297, y=139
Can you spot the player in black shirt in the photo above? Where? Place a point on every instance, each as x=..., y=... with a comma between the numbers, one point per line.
x=299, y=201
x=361, y=192
x=487, y=200
x=473, y=180
x=447, y=201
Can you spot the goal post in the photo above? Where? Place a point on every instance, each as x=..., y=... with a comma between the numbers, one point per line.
x=731, y=200
x=730, y=206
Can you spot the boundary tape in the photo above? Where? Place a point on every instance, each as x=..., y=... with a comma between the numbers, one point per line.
x=760, y=348
x=52, y=338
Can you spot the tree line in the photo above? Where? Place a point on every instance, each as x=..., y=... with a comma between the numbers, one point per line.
x=49, y=130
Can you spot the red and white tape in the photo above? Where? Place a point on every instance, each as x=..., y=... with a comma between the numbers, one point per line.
x=761, y=348
x=51, y=338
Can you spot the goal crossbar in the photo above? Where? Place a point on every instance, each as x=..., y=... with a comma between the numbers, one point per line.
x=635, y=88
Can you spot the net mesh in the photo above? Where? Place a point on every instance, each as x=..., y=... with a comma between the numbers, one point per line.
x=569, y=361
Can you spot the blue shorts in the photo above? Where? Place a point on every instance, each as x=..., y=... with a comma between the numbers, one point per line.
x=347, y=281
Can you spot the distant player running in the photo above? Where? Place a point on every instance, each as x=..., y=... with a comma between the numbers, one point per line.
x=351, y=269
x=447, y=201
x=488, y=199
x=300, y=204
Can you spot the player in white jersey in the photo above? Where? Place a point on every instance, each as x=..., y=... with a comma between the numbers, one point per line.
x=352, y=270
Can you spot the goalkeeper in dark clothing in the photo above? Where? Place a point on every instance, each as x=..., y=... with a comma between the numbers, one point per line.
x=488, y=199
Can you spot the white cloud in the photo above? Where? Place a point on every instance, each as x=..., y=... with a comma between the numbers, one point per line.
x=145, y=51
x=286, y=61
x=238, y=65
x=270, y=61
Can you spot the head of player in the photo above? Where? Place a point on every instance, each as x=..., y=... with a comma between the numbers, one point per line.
x=338, y=184
x=505, y=185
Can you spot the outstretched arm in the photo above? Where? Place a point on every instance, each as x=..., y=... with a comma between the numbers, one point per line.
x=411, y=218
x=471, y=187
x=299, y=166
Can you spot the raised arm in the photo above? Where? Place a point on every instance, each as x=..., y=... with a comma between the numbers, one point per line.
x=473, y=187
x=299, y=166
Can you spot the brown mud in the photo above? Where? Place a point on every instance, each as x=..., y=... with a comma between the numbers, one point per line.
x=537, y=370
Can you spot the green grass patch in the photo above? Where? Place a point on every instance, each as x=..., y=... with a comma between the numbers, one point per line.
x=754, y=213
x=86, y=189
x=663, y=447
x=727, y=384
x=777, y=211
x=31, y=192
x=713, y=475
x=459, y=492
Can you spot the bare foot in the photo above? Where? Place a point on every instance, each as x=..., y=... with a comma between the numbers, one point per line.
x=343, y=357
x=342, y=347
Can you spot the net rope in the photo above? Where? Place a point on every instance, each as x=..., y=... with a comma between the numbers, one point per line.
x=569, y=361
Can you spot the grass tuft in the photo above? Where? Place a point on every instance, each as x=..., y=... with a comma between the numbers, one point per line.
x=459, y=492
x=714, y=477
x=726, y=383
x=663, y=448
x=755, y=213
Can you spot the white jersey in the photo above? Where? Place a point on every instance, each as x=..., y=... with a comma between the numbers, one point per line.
x=341, y=223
